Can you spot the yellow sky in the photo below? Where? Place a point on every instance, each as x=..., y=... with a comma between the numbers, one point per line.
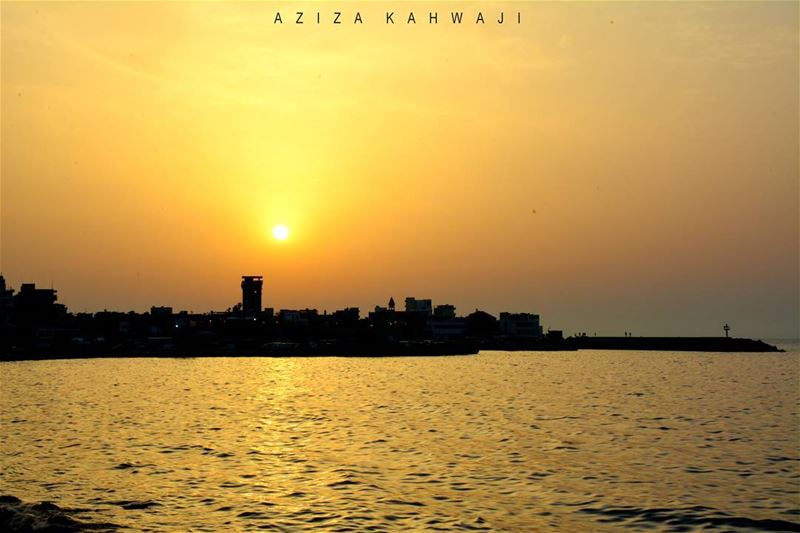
x=612, y=166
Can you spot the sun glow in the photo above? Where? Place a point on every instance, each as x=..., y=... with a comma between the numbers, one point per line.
x=280, y=232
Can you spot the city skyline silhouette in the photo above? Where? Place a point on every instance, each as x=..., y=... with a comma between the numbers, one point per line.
x=640, y=172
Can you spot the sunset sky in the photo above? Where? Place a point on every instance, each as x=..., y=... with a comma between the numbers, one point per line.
x=611, y=166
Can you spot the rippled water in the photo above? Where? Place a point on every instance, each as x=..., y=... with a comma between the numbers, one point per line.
x=500, y=441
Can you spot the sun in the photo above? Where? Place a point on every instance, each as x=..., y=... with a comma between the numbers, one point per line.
x=280, y=232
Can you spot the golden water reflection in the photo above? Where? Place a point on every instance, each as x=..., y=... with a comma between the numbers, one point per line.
x=499, y=441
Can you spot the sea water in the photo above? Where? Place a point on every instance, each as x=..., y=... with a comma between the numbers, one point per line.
x=515, y=441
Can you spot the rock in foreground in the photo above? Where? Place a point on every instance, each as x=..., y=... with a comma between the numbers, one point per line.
x=45, y=517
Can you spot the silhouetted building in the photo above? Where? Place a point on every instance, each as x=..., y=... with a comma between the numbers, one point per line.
x=161, y=322
x=6, y=302
x=29, y=297
x=302, y=317
x=419, y=306
x=36, y=307
x=444, y=325
x=5, y=292
x=520, y=325
x=344, y=318
x=6, y=295
x=481, y=324
x=391, y=303
x=251, y=295
x=382, y=315
x=445, y=311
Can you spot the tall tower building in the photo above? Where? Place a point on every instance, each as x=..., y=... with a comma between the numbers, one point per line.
x=251, y=294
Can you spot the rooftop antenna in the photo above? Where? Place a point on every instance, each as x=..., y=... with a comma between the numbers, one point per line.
x=727, y=328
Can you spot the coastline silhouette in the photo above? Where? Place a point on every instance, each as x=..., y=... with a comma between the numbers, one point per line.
x=36, y=326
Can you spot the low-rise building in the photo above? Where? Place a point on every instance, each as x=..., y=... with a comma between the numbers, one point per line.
x=423, y=307
x=524, y=325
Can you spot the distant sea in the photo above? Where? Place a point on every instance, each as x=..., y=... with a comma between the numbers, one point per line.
x=501, y=441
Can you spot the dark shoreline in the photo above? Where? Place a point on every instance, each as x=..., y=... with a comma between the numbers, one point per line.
x=418, y=349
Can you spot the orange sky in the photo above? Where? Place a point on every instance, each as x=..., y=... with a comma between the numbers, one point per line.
x=611, y=166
